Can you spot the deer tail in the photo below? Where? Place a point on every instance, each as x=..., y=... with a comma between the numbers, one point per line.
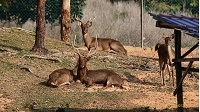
x=157, y=46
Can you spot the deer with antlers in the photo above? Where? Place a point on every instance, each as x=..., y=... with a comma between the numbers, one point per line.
x=62, y=77
x=165, y=53
x=101, y=76
x=104, y=44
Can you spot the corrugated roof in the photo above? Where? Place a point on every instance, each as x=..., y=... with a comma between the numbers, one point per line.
x=189, y=24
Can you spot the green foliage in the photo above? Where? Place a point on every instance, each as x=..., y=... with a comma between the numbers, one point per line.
x=76, y=8
x=5, y=3
x=14, y=10
x=52, y=10
x=169, y=6
x=21, y=11
x=173, y=6
x=113, y=1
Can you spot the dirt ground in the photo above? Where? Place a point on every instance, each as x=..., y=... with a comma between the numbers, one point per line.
x=158, y=99
x=23, y=82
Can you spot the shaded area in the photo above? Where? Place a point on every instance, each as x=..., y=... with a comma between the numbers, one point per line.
x=140, y=109
x=133, y=79
x=11, y=47
x=141, y=63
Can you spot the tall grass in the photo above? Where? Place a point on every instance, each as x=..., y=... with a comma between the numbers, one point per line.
x=118, y=21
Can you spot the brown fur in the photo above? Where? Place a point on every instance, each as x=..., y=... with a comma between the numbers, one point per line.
x=104, y=44
x=101, y=76
x=165, y=53
x=61, y=77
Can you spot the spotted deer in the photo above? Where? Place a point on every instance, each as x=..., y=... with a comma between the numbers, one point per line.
x=62, y=77
x=104, y=44
x=166, y=54
x=101, y=76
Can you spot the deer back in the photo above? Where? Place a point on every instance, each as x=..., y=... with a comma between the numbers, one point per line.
x=61, y=77
x=103, y=76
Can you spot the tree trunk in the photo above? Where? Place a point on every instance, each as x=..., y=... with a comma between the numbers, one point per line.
x=65, y=21
x=40, y=29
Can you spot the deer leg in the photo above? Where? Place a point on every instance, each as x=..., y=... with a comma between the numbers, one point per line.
x=168, y=68
x=163, y=70
x=89, y=83
x=108, y=82
x=172, y=75
x=64, y=83
x=161, y=64
x=172, y=70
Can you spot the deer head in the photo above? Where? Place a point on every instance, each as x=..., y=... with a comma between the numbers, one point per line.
x=168, y=39
x=85, y=26
x=82, y=60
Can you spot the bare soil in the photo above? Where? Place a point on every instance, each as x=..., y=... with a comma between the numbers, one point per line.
x=24, y=75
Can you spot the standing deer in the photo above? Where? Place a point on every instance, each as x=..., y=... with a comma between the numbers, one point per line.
x=61, y=77
x=104, y=44
x=101, y=76
x=165, y=53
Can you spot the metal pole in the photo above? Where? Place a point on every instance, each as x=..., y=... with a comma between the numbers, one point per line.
x=178, y=70
x=141, y=18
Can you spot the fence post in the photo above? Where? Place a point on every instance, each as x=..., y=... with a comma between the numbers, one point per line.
x=141, y=18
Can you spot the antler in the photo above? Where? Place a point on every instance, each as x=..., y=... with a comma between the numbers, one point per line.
x=74, y=49
x=77, y=19
x=91, y=19
x=96, y=45
x=163, y=35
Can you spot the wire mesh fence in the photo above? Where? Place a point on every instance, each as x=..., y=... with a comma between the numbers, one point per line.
x=117, y=19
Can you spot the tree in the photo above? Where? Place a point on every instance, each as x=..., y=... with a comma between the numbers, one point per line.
x=65, y=21
x=40, y=29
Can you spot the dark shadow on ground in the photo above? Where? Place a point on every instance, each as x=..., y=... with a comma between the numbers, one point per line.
x=140, y=109
x=44, y=83
x=141, y=63
x=133, y=79
x=12, y=47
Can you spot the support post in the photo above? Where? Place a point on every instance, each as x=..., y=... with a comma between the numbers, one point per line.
x=178, y=70
x=141, y=18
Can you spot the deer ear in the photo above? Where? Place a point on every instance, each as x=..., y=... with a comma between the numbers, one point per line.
x=163, y=35
x=172, y=36
x=79, y=23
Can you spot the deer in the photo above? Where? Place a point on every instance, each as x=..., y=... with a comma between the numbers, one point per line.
x=100, y=76
x=165, y=54
x=62, y=77
x=104, y=44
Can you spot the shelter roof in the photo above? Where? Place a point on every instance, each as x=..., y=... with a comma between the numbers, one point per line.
x=189, y=24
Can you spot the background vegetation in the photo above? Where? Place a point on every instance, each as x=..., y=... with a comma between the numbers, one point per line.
x=118, y=19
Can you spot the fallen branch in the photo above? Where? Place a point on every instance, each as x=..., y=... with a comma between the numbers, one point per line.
x=42, y=57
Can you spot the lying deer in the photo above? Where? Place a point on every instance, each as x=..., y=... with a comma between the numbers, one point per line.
x=102, y=76
x=61, y=77
x=104, y=44
x=165, y=53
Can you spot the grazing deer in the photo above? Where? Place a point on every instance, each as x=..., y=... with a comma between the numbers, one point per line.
x=165, y=53
x=104, y=44
x=61, y=77
x=102, y=76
